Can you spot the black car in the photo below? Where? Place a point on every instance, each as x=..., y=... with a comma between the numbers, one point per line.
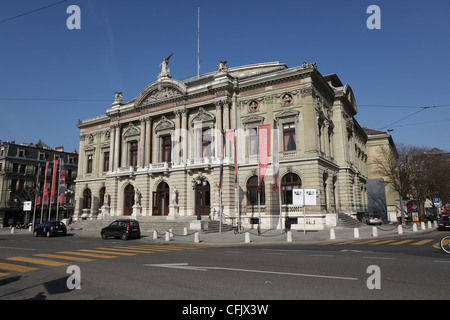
x=125, y=229
x=50, y=228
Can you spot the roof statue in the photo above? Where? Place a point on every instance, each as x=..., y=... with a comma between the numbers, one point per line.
x=165, y=72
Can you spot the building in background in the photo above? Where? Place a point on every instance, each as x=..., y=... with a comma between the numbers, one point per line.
x=19, y=166
x=381, y=195
x=160, y=153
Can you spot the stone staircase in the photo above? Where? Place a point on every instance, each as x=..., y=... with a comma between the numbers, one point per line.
x=214, y=227
x=345, y=221
x=147, y=224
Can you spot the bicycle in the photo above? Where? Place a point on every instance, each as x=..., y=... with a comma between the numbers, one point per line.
x=445, y=244
x=238, y=229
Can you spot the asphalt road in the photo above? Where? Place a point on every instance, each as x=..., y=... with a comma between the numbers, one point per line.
x=407, y=268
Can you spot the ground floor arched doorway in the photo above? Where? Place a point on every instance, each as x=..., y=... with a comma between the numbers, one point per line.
x=128, y=200
x=161, y=200
x=203, y=198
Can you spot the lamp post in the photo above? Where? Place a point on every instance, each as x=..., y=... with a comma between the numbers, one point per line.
x=195, y=183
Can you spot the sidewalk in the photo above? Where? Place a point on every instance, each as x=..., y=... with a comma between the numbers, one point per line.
x=267, y=236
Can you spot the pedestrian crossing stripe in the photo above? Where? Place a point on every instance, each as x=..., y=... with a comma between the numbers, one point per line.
x=15, y=267
x=38, y=261
x=118, y=249
x=422, y=242
x=102, y=251
x=381, y=242
x=401, y=242
x=61, y=257
x=104, y=256
x=4, y=274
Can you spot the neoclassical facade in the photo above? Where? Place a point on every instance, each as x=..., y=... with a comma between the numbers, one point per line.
x=160, y=153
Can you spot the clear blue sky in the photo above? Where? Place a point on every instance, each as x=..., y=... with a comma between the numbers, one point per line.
x=121, y=44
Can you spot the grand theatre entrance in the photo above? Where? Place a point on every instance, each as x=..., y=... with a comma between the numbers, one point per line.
x=161, y=200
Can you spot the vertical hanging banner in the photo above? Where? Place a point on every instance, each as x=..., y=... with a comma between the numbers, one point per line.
x=263, y=150
x=230, y=135
x=62, y=182
x=45, y=196
x=55, y=169
x=37, y=195
x=222, y=147
x=276, y=158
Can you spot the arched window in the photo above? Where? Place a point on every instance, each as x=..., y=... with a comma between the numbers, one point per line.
x=288, y=183
x=101, y=197
x=128, y=201
x=87, y=198
x=252, y=192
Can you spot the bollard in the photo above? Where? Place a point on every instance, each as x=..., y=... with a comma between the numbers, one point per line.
x=289, y=236
x=155, y=234
x=13, y=230
x=355, y=233
x=247, y=237
x=414, y=227
x=171, y=232
x=435, y=224
x=29, y=228
x=185, y=231
x=422, y=225
x=167, y=236
x=400, y=229
x=429, y=225
x=196, y=237
x=332, y=234
x=374, y=232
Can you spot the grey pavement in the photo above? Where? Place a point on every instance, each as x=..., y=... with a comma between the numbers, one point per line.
x=266, y=237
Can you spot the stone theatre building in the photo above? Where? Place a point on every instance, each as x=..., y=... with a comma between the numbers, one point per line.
x=159, y=154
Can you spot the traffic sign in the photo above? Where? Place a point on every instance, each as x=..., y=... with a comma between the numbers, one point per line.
x=436, y=201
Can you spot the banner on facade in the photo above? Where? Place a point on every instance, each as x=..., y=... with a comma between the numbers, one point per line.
x=263, y=151
x=55, y=170
x=45, y=196
x=62, y=182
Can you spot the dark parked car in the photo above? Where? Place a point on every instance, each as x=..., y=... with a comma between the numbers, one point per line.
x=124, y=229
x=444, y=223
x=50, y=228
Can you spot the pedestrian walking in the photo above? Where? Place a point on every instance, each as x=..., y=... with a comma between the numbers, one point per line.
x=287, y=224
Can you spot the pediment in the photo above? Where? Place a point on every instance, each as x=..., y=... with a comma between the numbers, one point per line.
x=203, y=116
x=287, y=114
x=252, y=119
x=131, y=130
x=161, y=90
x=164, y=124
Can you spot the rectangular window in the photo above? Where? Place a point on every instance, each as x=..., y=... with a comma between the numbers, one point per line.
x=106, y=161
x=89, y=163
x=206, y=143
x=253, y=142
x=289, y=137
x=133, y=153
x=166, y=146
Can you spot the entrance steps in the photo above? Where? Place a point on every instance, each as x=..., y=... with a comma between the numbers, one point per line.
x=345, y=221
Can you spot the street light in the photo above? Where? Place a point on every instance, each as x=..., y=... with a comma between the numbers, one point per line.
x=195, y=183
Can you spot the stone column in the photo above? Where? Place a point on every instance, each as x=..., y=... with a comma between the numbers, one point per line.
x=116, y=147
x=226, y=125
x=112, y=135
x=148, y=140
x=218, y=128
x=176, y=144
x=184, y=134
x=140, y=162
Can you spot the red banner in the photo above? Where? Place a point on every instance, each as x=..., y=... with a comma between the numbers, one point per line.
x=37, y=195
x=55, y=170
x=62, y=183
x=45, y=197
x=263, y=151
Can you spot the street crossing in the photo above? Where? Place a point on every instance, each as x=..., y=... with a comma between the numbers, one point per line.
x=22, y=264
x=63, y=258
